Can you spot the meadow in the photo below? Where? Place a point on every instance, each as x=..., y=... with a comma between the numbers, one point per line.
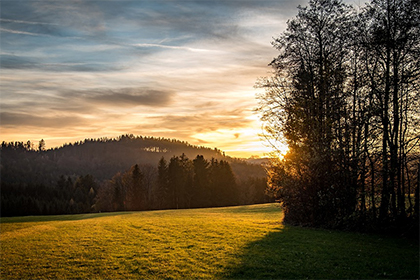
x=214, y=243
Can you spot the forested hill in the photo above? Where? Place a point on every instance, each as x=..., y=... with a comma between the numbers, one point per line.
x=123, y=174
x=102, y=158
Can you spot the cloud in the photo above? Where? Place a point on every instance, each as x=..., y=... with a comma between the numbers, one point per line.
x=22, y=32
x=25, y=22
x=8, y=119
x=126, y=29
x=129, y=97
x=201, y=122
x=171, y=47
x=206, y=105
x=15, y=62
x=35, y=63
x=182, y=69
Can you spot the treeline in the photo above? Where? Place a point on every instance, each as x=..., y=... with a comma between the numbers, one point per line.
x=179, y=183
x=67, y=196
x=28, y=163
x=147, y=141
x=345, y=97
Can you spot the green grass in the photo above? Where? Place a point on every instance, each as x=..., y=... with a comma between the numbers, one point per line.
x=233, y=242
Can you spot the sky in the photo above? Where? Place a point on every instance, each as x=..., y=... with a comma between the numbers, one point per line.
x=71, y=70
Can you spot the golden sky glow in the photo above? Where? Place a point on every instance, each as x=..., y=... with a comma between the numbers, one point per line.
x=176, y=69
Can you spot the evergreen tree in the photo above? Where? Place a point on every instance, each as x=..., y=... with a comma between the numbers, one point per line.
x=41, y=145
x=137, y=193
x=84, y=194
x=201, y=187
x=119, y=196
x=176, y=182
x=222, y=184
x=162, y=192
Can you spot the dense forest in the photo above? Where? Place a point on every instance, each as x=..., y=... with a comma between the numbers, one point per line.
x=345, y=97
x=123, y=174
x=102, y=158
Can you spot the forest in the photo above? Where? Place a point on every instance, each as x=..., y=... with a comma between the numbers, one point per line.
x=344, y=96
x=128, y=173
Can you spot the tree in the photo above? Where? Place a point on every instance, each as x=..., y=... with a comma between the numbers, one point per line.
x=223, y=186
x=393, y=44
x=305, y=103
x=149, y=182
x=129, y=190
x=345, y=98
x=136, y=193
x=41, y=145
x=162, y=191
x=178, y=178
x=201, y=188
x=85, y=189
x=120, y=191
x=29, y=145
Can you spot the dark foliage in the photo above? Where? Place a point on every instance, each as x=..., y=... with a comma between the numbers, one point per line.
x=65, y=197
x=345, y=99
x=102, y=158
x=181, y=183
x=127, y=173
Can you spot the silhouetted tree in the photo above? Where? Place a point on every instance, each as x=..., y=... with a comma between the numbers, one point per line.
x=201, y=183
x=112, y=162
x=84, y=194
x=162, y=190
x=222, y=184
x=120, y=192
x=392, y=45
x=180, y=181
x=136, y=194
x=41, y=146
x=344, y=97
x=307, y=107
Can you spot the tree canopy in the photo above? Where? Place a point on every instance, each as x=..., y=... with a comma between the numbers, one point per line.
x=344, y=96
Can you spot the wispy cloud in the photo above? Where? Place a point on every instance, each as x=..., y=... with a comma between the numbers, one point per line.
x=29, y=120
x=10, y=61
x=130, y=97
x=202, y=122
x=172, y=47
x=22, y=32
x=26, y=22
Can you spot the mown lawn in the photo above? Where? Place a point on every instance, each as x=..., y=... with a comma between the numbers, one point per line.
x=233, y=242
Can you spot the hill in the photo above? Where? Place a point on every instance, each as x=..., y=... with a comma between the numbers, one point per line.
x=243, y=242
x=96, y=175
x=102, y=158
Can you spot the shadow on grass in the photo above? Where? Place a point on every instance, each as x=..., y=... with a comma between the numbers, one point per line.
x=298, y=253
x=266, y=208
x=75, y=217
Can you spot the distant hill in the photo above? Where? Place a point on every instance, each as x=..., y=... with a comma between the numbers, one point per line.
x=103, y=158
x=258, y=161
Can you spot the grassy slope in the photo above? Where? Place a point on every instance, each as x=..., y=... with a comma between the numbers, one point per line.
x=233, y=242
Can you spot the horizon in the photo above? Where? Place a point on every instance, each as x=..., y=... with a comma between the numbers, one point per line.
x=35, y=144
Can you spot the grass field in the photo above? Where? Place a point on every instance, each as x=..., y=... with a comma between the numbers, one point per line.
x=233, y=242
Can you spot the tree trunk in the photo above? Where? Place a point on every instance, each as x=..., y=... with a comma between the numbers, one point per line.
x=372, y=177
x=416, y=199
x=385, y=122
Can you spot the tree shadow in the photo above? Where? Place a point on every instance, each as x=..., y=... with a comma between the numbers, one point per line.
x=297, y=253
x=66, y=217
